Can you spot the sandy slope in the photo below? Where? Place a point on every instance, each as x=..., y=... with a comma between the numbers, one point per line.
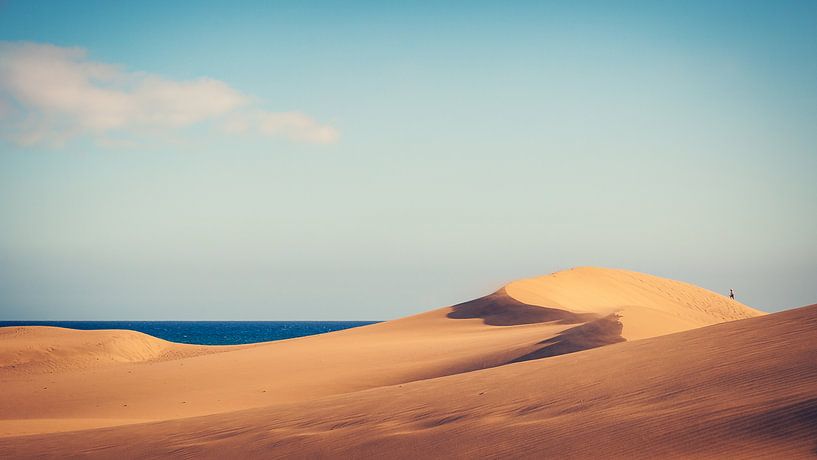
x=744, y=389
x=525, y=320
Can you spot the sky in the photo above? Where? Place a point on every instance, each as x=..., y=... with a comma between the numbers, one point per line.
x=369, y=160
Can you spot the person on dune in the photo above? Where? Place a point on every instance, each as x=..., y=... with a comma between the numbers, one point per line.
x=731, y=294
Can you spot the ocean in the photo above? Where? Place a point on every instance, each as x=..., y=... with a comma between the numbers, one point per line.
x=209, y=332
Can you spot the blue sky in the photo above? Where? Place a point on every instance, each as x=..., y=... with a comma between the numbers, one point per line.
x=365, y=160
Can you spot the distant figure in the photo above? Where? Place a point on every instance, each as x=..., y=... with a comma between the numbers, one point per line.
x=731, y=294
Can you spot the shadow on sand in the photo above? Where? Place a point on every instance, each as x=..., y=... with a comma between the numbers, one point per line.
x=500, y=309
x=593, y=334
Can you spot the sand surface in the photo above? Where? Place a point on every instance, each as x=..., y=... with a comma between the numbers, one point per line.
x=558, y=365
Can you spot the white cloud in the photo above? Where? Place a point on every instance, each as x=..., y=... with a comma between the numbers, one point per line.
x=294, y=126
x=50, y=95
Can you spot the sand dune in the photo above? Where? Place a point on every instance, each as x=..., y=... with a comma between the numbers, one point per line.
x=34, y=349
x=390, y=385
x=743, y=389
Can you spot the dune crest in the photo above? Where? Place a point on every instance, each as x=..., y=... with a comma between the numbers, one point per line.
x=648, y=305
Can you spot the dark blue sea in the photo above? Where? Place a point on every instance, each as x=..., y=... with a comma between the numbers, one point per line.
x=209, y=332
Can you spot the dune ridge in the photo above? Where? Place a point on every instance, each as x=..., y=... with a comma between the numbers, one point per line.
x=648, y=305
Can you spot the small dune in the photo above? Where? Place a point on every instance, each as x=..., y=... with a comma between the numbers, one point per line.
x=32, y=349
x=51, y=348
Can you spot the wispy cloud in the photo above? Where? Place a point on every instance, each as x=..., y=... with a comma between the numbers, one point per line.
x=294, y=126
x=50, y=95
